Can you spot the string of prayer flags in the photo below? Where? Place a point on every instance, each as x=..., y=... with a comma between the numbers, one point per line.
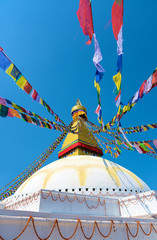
x=24, y=111
x=107, y=126
x=120, y=129
x=84, y=15
x=7, y=66
x=117, y=26
x=153, y=145
x=11, y=188
x=143, y=128
x=9, y=112
x=109, y=149
x=143, y=147
x=98, y=110
x=98, y=76
x=146, y=87
x=147, y=153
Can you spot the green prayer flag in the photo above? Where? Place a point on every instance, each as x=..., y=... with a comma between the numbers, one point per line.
x=3, y=111
x=144, y=147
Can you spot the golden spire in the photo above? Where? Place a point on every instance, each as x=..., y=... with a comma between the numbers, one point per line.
x=82, y=141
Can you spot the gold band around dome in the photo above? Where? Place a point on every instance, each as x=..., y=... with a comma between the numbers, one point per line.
x=78, y=107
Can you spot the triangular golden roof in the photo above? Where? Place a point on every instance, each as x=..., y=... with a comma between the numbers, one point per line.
x=82, y=141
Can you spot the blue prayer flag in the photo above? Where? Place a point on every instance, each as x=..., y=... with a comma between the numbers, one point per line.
x=4, y=61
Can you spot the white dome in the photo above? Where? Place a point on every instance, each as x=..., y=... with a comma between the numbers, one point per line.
x=88, y=172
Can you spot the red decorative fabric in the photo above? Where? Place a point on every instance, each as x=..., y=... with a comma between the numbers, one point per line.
x=34, y=95
x=28, y=88
x=117, y=18
x=154, y=80
x=79, y=144
x=142, y=89
x=84, y=15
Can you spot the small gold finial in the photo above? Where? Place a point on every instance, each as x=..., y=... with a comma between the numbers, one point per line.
x=79, y=110
x=78, y=102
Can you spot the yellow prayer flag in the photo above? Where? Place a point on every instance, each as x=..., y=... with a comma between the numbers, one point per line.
x=108, y=126
x=113, y=120
x=21, y=82
x=119, y=109
x=13, y=72
x=97, y=86
x=149, y=125
x=100, y=121
x=41, y=101
x=126, y=108
x=9, y=70
x=144, y=128
x=117, y=79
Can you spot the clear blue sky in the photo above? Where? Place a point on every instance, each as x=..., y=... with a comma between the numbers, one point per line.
x=45, y=41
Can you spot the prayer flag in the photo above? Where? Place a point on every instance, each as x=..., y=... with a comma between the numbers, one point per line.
x=84, y=15
x=135, y=97
x=2, y=101
x=143, y=148
x=117, y=80
x=149, y=146
x=126, y=108
x=154, y=80
x=148, y=84
x=119, y=63
x=98, y=109
x=34, y=94
x=3, y=110
x=117, y=17
x=120, y=42
x=98, y=76
x=153, y=146
x=137, y=148
x=118, y=99
x=4, y=61
x=155, y=142
x=27, y=87
x=13, y=71
x=97, y=86
x=97, y=55
x=141, y=91
x=21, y=82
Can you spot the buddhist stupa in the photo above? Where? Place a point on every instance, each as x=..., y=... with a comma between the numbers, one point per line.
x=80, y=196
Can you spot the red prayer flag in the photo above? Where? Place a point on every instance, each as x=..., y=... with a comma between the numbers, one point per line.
x=154, y=80
x=34, y=95
x=141, y=91
x=97, y=109
x=84, y=15
x=27, y=87
x=117, y=17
